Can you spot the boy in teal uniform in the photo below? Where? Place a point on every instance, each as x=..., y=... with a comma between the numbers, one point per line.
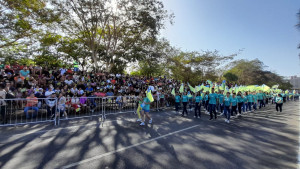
x=177, y=101
x=250, y=101
x=198, y=100
x=233, y=104
x=221, y=104
x=212, y=103
x=184, y=103
x=279, y=102
x=226, y=103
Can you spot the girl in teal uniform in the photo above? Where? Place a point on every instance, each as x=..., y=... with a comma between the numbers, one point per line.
x=198, y=100
x=177, y=101
x=145, y=109
x=233, y=104
x=184, y=103
x=279, y=102
x=226, y=103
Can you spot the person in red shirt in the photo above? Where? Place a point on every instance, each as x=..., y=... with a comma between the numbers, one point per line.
x=32, y=102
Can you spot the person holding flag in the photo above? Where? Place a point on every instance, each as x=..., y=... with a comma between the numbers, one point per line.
x=148, y=98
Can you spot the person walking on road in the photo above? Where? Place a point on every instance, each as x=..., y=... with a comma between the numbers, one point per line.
x=145, y=110
x=279, y=102
x=184, y=103
x=212, y=103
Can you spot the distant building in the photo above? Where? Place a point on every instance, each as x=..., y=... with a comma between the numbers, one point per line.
x=295, y=81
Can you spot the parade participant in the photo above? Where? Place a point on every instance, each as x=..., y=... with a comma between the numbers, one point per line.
x=254, y=101
x=233, y=104
x=145, y=109
x=250, y=101
x=240, y=101
x=198, y=100
x=212, y=103
x=226, y=103
x=279, y=102
x=260, y=99
x=206, y=102
x=140, y=101
x=245, y=102
x=177, y=102
x=184, y=100
x=221, y=102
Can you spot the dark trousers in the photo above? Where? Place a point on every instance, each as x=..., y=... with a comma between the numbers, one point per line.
x=50, y=111
x=279, y=105
x=198, y=109
x=233, y=109
x=240, y=107
x=227, y=112
x=184, y=108
x=177, y=106
x=212, y=109
x=3, y=113
x=261, y=103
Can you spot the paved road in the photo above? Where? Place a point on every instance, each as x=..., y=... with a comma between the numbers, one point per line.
x=264, y=139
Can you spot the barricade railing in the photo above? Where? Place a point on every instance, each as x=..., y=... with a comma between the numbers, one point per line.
x=163, y=103
x=81, y=107
x=22, y=111
x=119, y=104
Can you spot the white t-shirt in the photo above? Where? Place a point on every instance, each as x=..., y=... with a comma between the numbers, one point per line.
x=48, y=93
x=62, y=71
x=68, y=82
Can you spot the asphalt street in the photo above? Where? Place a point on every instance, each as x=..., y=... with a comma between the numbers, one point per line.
x=263, y=139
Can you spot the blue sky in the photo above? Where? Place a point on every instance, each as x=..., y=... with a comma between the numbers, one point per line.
x=265, y=29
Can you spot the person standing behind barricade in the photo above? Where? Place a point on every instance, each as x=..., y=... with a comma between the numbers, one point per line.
x=233, y=104
x=184, y=103
x=260, y=99
x=212, y=103
x=279, y=102
x=198, y=100
x=3, y=104
x=227, y=102
x=145, y=109
x=177, y=102
x=32, y=102
x=51, y=105
x=61, y=106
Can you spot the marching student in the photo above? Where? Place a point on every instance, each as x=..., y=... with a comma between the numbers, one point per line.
x=250, y=101
x=177, y=101
x=227, y=103
x=212, y=103
x=240, y=101
x=140, y=102
x=145, y=109
x=198, y=100
x=279, y=102
x=233, y=104
x=184, y=103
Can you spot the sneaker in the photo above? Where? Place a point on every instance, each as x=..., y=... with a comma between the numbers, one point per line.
x=195, y=116
x=142, y=124
x=138, y=120
x=221, y=114
x=150, y=121
x=228, y=121
x=185, y=115
x=198, y=117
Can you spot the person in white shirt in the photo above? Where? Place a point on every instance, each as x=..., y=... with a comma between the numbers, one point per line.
x=49, y=92
x=74, y=90
x=61, y=105
x=62, y=71
x=51, y=105
x=69, y=81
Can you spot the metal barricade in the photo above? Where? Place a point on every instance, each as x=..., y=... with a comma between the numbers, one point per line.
x=81, y=107
x=119, y=104
x=22, y=111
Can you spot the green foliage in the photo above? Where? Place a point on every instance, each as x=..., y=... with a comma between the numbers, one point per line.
x=230, y=77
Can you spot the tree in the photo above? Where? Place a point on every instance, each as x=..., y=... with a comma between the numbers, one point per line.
x=230, y=77
x=113, y=32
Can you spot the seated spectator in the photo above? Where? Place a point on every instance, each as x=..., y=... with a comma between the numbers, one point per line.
x=24, y=72
x=75, y=103
x=69, y=81
x=83, y=102
x=32, y=102
x=51, y=105
x=89, y=89
x=19, y=80
x=110, y=93
x=49, y=92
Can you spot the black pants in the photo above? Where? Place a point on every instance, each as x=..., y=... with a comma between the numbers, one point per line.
x=184, y=108
x=3, y=113
x=177, y=106
x=284, y=99
x=198, y=109
x=261, y=103
x=233, y=109
x=240, y=107
x=280, y=106
x=50, y=111
x=212, y=109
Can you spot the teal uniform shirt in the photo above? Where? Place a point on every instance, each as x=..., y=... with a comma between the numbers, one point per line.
x=255, y=98
x=250, y=98
x=198, y=99
x=221, y=98
x=147, y=106
x=233, y=101
x=177, y=99
x=213, y=98
x=260, y=96
x=279, y=100
x=227, y=100
x=184, y=98
x=206, y=97
x=239, y=99
x=245, y=99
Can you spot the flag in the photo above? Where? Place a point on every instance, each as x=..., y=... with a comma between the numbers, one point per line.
x=197, y=88
x=294, y=91
x=173, y=92
x=275, y=86
x=191, y=88
x=181, y=88
x=189, y=95
x=149, y=95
